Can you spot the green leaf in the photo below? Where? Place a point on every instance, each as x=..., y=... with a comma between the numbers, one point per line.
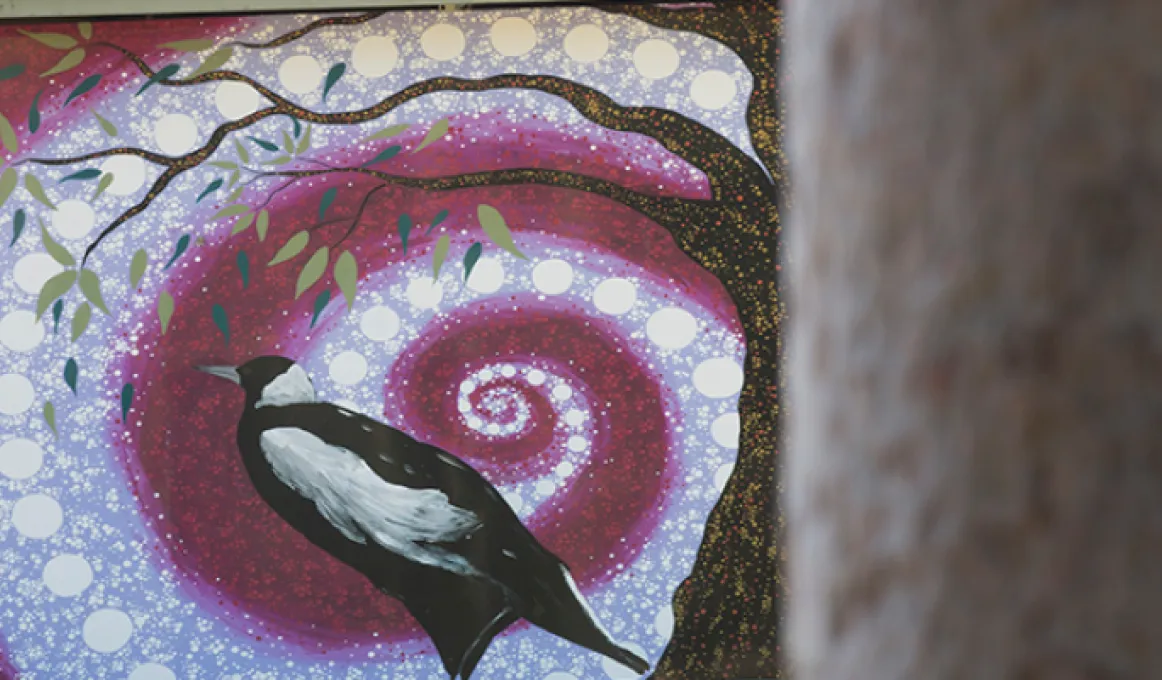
x=193, y=45
x=137, y=267
x=210, y=188
x=405, y=229
x=312, y=271
x=305, y=142
x=320, y=304
x=262, y=224
x=67, y=63
x=7, y=183
x=183, y=243
x=34, y=187
x=221, y=321
x=11, y=71
x=53, y=289
x=126, y=400
x=269, y=146
x=387, y=154
x=225, y=165
x=81, y=175
x=85, y=29
x=58, y=308
x=215, y=61
x=81, y=320
x=34, y=113
x=327, y=200
x=497, y=230
x=439, y=253
x=162, y=74
x=86, y=85
x=50, y=417
x=164, y=310
x=91, y=287
x=347, y=276
x=293, y=246
x=288, y=144
x=389, y=132
x=243, y=154
x=298, y=126
x=109, y=128
x=105, y=183
x=18, y=220
x=234, y=177
x=333, y=77
x=70, y=374
x=440, y=217
x=8, y=135
x=235, y=195
x=436, y=133
x=244, y=268
x=57, y=41
x=242, y=224
x=231, y=211
x=471, y=257
x=56, y=250
x=280, y=160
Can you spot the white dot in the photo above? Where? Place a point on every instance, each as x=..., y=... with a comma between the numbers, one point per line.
x=655, y=59
x=72, y=219
x=615, y=296
x=718, y=378
x=672, y=328
x=586, y=44
x=37, y=516
x=442, y=42
x=20, y=458
x=32, y=271
x=175, y=134
x=348, y=368
x=546, y=487
x=152, y=671
x=375, y=56
x=107, y=630
x=536, y=377
x=486, y=375
x=575, y=417
x=235, y=100
x=553, y=277
x=562, y=392
x=128, y=174
x=564, y=469
x=300, y=74
x=560, y=675
x=487, y=276
x=513, y=36
x=508, y=370
x=713, y=90
x=664, y=622
x=514, y=500
x=16, y=394
x=467, y=387
x=67, y=575
x=380, y=323
x=577, y=444
x=21, y=331
x=725, y=430
x=425, y=293
x=618, y=672
x=722, y=476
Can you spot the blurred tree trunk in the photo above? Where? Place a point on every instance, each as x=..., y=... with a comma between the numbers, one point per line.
x=976, y=471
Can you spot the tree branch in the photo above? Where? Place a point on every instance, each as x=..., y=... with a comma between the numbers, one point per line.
x=155, y=158
x=310, y=28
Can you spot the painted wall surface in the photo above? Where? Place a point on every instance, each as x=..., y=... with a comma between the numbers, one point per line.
x=539, y=240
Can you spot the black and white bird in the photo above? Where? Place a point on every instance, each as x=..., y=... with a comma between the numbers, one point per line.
x=418, y=522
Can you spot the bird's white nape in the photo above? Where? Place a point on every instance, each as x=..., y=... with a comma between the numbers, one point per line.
x=292, y=387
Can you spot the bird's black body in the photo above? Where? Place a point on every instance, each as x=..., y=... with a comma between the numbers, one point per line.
x=511, y=575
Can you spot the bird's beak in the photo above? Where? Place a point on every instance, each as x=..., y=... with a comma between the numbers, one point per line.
x=228, y=372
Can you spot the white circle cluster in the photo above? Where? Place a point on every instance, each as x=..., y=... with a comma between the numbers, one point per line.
x=501, y=410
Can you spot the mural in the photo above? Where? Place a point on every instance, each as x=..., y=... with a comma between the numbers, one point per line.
x=392, y=345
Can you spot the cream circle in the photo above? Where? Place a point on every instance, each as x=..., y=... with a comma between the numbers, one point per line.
x=586, y=44
x=564, y=468
x=713, y=90
x=107, y=630
x=725, y=430
x=20, y=330
x=33, y=271
x=718, y=378
x=562, y=392
x=235, y=100
x=442, y=42
x=37, y=516
x=300, y=74
x=577, y=444
x=16, y=394
x=664, y=622
x=672, y=328
x=20, y=458
x=73, y=219
x=175, y=134
x=546, y=487
x=67, y=575
x=348, y=368
x=152, y=671
x=425, y=293
x=380, y=323
x=553, y=277
x=615, y=296
x=575, y=417
x=487, y=276
x=513, y=36
x=128, y=174
x=722, y=476
x=375, y=56
x=656, y=59
x=536, y=377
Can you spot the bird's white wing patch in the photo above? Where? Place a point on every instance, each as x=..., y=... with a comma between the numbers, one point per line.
x=362, y=505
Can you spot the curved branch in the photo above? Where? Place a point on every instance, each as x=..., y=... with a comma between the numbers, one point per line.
x=310, y=28
x=155, y=158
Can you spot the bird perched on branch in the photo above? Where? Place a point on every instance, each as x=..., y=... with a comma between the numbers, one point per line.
x=421, y=524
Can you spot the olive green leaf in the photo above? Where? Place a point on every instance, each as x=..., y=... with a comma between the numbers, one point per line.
x=68, y=62
x=243, y=154
x=225, y=165
x=137, y=267
x=7, y=184
x=280, y=160
x=34, y=187
x=293, y=246
x=194, y=45
x=235, y=195
x=85, y=29
x=234, y=177
x=91, y=287
x=56, y=250
x=497, y=230
x=214, y=61
x=53, y=289
x=347, y=276
x=50, y=417
x=312, y=271
x=230, y=211
x=288, y=144
x=305, y=142
x=439, y=254
x=57, y=41
x=105, y=182
x=262, y=224
x=389, y=132
x=109, y=128
x=164, y=310
x=81, y=320
x=436, y=133
x=8, y=135
x=242, y=224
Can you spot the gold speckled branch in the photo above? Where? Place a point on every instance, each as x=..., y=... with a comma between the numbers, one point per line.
x=155, y=158
x=291, y=36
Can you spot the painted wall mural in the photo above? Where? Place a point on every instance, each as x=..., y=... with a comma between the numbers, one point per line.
x=392, y=345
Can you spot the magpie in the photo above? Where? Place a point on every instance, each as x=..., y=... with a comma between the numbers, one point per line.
x=421, y=524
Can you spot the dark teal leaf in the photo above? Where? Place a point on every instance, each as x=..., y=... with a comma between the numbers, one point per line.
x=244, y=268
x=405, y=229
x=10, y=72
x=58, y=308
x=333, y=77
x=183, y=243
x=71, y=374
x=210, y=188
x=34, y=113
x=269, y=146
x=388, y=153
x=298, y=127
x=18, y=221
x=471, y=257
x=87, y=173
x=440, y=217
x=162, y=74
x=126, y=400
x=328, y=199
x=320, y=304
x=86, y=85
x=220, y=320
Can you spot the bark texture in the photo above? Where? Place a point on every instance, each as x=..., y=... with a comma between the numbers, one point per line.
x=976, y=470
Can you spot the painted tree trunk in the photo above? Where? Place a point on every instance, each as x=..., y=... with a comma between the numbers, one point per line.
x=976, y=481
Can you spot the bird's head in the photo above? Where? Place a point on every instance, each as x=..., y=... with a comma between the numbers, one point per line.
x=268, y=380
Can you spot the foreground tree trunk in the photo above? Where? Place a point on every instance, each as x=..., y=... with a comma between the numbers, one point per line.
x=976, y=481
